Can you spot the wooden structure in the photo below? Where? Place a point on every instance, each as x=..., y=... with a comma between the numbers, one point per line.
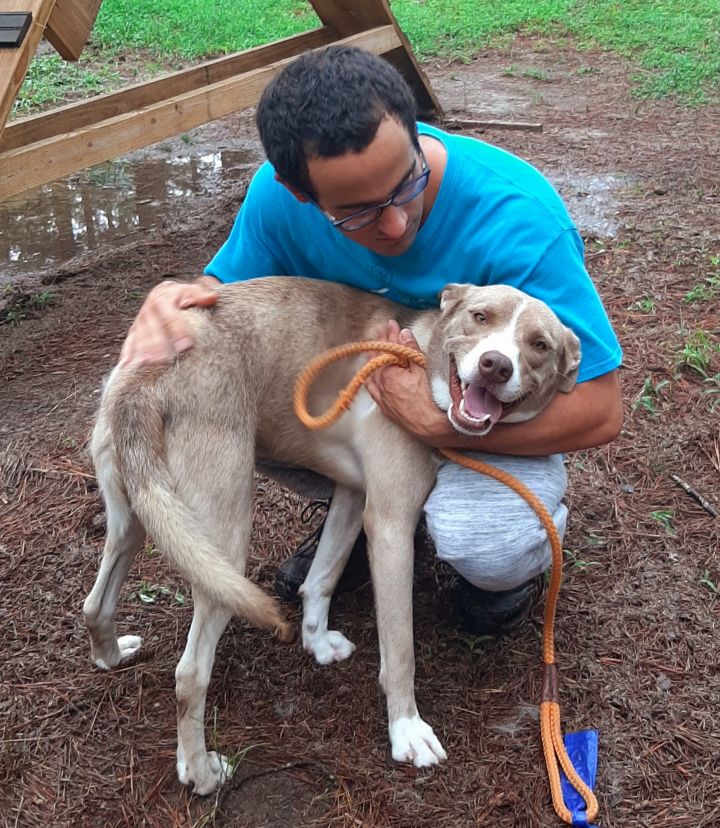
x=45, y=147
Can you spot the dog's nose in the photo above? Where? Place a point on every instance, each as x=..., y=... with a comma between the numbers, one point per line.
x=495, y=367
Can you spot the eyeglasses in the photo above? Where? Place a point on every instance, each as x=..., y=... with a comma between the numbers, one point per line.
x=403, y=195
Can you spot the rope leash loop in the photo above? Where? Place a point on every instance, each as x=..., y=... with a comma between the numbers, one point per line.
x=391, y=354
x=550, y=728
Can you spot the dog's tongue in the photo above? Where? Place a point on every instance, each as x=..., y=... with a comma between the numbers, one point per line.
x=481, y=404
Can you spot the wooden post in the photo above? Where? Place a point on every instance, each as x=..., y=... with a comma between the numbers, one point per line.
x=14, y=62
x=349, y=17
x=70, y=24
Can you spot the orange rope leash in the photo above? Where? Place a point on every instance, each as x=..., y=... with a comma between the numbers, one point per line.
x=550, y=729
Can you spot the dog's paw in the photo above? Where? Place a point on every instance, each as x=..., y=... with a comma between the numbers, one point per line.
x=328, y=647
x=412, y=740
x=127, y=645
x=209, y=774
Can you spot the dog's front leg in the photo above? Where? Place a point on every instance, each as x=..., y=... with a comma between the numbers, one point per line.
x=391, y=553
x=341, y=529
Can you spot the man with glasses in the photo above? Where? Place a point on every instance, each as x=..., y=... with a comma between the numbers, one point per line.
x=356, y=191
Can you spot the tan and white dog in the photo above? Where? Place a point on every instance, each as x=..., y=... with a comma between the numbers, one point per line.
x=175, y=447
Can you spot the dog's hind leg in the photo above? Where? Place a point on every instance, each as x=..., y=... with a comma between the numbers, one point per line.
x=204, y=771
x=217, y=482
x=124, y=537
x=341, y=529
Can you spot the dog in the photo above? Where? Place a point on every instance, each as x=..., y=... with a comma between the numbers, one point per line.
x=175, y=447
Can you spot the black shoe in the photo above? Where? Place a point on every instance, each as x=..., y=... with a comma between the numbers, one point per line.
x=292, y=572
x=480, y=612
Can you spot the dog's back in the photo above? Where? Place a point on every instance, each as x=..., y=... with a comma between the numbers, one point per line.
x=265, y=332
x=160, y=444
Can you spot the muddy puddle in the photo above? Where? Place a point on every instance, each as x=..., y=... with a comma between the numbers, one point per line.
x=120, y=200
x=112, y=203
x=593, y=201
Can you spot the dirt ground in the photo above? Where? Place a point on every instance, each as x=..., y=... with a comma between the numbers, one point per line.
x=639, y=616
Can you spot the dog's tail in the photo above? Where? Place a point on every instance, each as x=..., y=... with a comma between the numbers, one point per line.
x=136, y=421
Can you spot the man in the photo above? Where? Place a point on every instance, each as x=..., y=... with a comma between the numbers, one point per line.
x=355, y=191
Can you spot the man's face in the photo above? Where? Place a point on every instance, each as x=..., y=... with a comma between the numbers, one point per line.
x=348, y=183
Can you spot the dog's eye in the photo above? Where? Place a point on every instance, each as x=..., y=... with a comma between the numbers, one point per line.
x=479, y=316
x=540, y=345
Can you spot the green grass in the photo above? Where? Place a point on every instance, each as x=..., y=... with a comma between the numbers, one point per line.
x=195, y=28
x=51, y=79
x=20, y=305
x=672, y=43
x=650, y=395
x=698, y=353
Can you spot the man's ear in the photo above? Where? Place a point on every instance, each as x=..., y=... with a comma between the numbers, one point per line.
x=299, y=194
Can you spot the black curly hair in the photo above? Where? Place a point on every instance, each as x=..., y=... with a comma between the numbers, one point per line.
x=327, y=103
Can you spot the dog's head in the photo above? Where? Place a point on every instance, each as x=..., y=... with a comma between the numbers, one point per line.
x=498, y=354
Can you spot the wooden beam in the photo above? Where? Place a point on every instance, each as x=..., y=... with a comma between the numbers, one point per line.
x=62, y=154
x=348, y=17
x=102, y=107
x=70, y=24
x=14, y=62
x=474, y=123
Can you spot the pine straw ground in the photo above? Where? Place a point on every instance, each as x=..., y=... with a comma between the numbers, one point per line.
x=639, y=616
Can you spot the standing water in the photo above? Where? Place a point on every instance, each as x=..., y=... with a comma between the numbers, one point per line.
x=111, y=203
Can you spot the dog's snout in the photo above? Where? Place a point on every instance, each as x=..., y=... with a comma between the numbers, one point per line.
x=495, y=367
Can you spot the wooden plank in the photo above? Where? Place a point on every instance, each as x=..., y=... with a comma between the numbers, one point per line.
x=100, y=108
x=14, y=62
x=43, y=161
x=350, y=16
x=70, y=24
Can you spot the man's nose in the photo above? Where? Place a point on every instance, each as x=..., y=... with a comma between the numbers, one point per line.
x=393, y=221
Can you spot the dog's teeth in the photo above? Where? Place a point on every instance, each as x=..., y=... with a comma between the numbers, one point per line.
x=469, y=417
x=464, y=413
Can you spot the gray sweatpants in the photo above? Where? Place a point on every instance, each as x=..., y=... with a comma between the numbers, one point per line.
x=486, y=531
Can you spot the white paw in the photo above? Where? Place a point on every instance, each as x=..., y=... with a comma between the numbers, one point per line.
x=328, y=647
x=412, y=740
x=127, y=645
x=208, y=776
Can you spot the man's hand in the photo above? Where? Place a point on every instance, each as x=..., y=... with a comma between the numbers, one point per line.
x=159, y=332
x=403, y=393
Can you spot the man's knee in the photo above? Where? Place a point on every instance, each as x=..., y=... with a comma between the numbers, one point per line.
x=487, y=532
x=497, y=560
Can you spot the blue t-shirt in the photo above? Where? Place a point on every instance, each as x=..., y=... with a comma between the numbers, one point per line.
x=495, y=220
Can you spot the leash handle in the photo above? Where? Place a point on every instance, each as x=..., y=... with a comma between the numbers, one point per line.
x=550, y=728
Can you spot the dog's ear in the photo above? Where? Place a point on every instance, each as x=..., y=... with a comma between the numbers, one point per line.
x=451, y=296
x=569, y=361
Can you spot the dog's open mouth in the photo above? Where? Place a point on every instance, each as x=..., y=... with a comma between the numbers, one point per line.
x=474, y=407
